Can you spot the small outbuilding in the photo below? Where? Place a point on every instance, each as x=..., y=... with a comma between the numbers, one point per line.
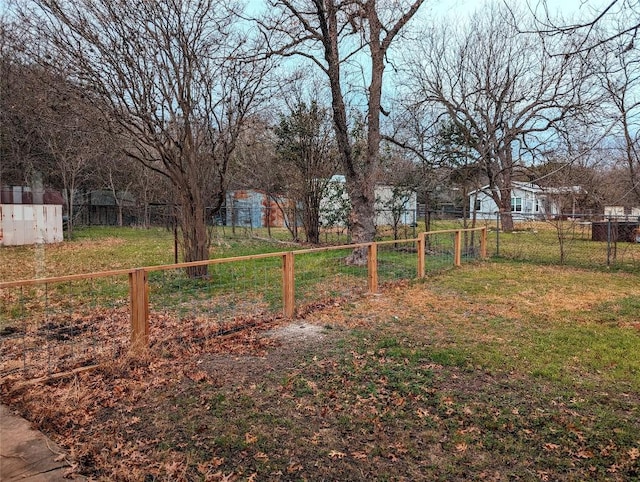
x=256, y=209
x=394, y=205
x=28, y=217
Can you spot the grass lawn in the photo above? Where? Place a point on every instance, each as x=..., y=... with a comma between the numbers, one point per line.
x=494, y=371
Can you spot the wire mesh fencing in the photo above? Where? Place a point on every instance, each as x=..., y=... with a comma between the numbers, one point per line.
x=62, y=324
x=397, y=260
x=230, y=294
x=327, y=274
x=581, y=241
x=440, y=250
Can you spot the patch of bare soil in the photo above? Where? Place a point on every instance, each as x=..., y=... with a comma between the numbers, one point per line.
x=298, y=333
x=287, y=344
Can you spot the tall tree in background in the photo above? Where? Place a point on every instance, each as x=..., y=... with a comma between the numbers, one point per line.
x=65, y=125
x=331, y=34
x=23, y=92
x=168, y=78
x=618, y=72
x=454, y=152
x=306, y=151
x=501, y=90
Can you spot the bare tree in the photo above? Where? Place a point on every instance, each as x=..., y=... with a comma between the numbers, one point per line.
x=623, y=14
x=169, y=80
x=502, y=92
x=256, y=166
x=47, y=130
x=617, y=70
x=21, y=149
x=120, y=177
x=332, y=34
x=454, y=151
x=64, y=122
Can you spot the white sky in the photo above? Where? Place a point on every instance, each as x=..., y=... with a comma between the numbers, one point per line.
x=567, y=8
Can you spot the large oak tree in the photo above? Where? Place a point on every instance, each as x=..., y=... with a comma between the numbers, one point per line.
x=335, y=35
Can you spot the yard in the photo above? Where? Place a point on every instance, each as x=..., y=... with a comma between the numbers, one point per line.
x=492, y=371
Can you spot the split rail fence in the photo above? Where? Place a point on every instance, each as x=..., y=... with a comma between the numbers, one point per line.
x=54, y=326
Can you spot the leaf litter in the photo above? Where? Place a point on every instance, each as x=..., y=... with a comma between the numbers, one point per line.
x=351, y=391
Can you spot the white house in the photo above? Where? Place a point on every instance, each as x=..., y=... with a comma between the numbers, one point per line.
x=395, y=205
x=392, y=204
x=527, y=201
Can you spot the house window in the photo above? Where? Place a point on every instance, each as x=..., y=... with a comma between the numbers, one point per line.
x=537, y=208
x=478, y=205
x=516, y=204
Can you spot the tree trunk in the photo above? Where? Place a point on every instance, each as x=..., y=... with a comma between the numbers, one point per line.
x=361, y=218
x=311, y=215
x=70, y=208
x=195, y=235
x=502, y=198
x=506, y=220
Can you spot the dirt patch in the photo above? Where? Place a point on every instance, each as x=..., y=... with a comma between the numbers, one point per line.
x=300, y=332
x=285, y=346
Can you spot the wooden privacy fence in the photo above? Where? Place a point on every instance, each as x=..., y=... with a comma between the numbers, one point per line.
x=41, y=310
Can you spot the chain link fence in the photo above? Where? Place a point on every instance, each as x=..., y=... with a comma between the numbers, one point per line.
x=581, y=240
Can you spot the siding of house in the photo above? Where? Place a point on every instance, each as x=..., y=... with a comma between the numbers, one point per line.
x=336, y=201
x=527, y=200
x=405, y=206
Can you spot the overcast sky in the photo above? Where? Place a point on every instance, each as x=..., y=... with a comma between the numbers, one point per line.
x=566, y=8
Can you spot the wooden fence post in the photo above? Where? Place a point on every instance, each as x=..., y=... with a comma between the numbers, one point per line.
x=457, y=248
x=483, y=243
x=139, y=295
x=422, y=243
x=288, y=285
x=372, y=266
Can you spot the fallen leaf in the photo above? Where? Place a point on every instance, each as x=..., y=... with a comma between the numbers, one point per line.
x=461, y=447
x=584, y=454
x=197, y=376
x=334, y=454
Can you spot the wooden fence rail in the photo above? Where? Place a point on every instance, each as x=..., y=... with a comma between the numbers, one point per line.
x=139, y=277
